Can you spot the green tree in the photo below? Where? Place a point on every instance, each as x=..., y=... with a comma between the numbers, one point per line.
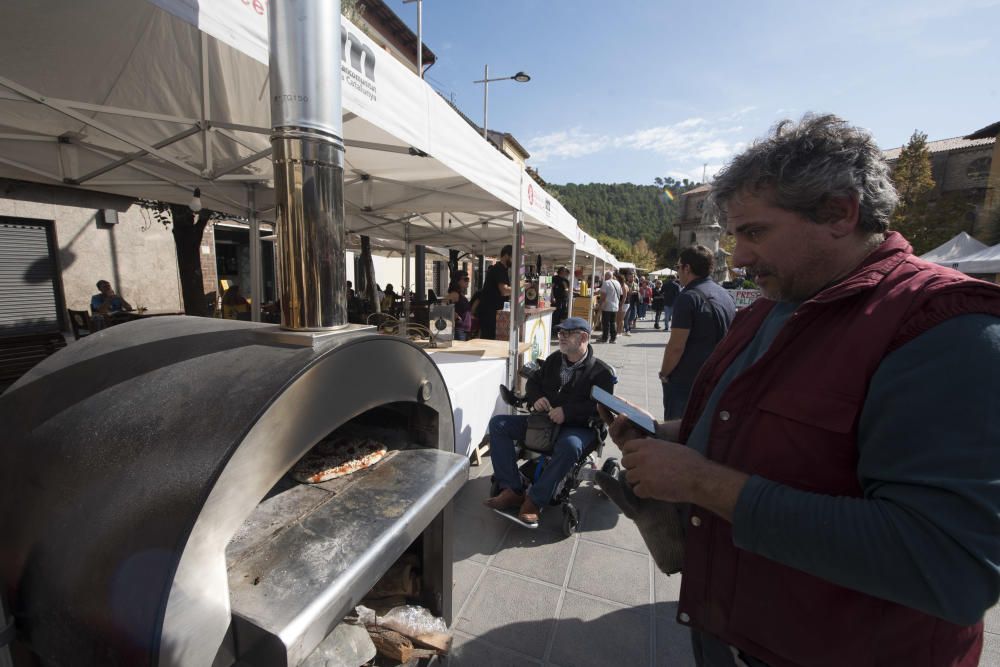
x=912, y=173
x=666, y=248
x=616, y=247
x=925, y=220
x=914, y=183
x=642, y=256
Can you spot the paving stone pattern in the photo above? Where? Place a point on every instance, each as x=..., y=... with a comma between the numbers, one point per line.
x=536, y=597
x=596, y=599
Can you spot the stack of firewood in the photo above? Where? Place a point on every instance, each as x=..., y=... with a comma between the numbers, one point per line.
x=397, y=646
x=397, y=587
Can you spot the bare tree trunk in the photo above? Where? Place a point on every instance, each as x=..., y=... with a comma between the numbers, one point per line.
x=187, y=233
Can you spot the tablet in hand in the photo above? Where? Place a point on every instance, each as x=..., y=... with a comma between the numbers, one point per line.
x=617, y=406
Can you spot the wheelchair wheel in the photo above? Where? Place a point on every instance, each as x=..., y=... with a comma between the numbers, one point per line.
x=571, y=519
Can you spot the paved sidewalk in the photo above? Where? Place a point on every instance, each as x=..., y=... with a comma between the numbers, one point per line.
x=524, y=597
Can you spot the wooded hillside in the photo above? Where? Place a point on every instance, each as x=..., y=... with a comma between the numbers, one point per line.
x=627, y=213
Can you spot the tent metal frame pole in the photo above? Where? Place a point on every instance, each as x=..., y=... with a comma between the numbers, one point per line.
x=256, y=279
x=572, y=278
x=406, y=291
x=481, y=278
x=206, y=108
x=593, y=273
x=516, y=311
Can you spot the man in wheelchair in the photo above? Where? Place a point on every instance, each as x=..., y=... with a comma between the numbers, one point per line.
x=563, y=393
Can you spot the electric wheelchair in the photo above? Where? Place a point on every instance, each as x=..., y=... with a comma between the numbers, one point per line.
x=532, y=462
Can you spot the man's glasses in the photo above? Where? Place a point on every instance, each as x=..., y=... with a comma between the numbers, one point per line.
x=566, y=334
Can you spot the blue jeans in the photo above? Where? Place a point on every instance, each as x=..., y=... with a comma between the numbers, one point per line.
x=642, y=310
x=667, y=312
x=675, y=399
x=505, y=429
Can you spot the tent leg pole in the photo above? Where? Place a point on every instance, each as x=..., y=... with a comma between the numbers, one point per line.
x=516, y=307
x=256, y=279
x=590, y=298
x=572, y=279
x=404, y=327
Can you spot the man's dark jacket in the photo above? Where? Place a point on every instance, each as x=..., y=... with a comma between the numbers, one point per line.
x=574, y=398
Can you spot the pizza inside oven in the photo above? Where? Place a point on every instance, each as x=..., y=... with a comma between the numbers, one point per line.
x=336, y=457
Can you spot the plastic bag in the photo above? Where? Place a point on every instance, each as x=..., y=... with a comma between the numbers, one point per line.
x=365, y=616
x=412, y=621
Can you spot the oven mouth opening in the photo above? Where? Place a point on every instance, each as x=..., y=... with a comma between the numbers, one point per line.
x=309, y=553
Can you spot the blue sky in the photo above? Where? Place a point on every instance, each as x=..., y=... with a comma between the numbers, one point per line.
x=634, y=89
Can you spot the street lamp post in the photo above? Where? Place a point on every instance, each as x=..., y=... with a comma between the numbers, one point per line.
x=520, y=77
x=420, y=35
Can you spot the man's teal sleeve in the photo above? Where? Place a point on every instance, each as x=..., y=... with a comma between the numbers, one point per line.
x=926, y=534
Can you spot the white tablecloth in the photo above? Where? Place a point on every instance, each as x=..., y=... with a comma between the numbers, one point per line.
x=473, y=385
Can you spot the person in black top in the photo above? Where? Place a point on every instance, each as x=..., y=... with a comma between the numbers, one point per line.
x=702, y=315
x=496, y=290
x=560, y=296
x=671, y=289
x=658, y=304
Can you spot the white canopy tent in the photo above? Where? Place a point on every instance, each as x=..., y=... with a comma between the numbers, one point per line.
x=153, y=99
x=663, y=272
x=959, y=246
x=984, y=262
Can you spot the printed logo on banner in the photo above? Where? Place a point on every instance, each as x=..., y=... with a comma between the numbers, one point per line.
x=259, y=6
x=357, y=63
x=531, y=199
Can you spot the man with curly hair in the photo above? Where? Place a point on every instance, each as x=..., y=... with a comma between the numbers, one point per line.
x=838, y=464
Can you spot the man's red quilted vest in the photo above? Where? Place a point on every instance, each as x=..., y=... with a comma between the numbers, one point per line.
x=792, y=418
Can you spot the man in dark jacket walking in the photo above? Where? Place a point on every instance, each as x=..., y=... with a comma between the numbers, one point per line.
x=702, y=315
x=671, y=290
x=564, y=394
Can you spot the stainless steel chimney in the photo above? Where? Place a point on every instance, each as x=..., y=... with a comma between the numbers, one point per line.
x=308, y=154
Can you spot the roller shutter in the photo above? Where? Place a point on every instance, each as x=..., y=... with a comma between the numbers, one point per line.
x=28, y=301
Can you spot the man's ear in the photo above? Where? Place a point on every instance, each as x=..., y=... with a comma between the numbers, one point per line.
x=840, y=214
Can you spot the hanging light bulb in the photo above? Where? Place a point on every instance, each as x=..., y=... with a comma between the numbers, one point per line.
x=195, y=204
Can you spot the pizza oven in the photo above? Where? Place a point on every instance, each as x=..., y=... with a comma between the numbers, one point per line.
x=148, y=517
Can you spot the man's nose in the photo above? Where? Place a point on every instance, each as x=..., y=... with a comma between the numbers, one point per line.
x=742, y=256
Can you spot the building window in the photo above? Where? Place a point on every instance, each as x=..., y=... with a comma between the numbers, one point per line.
x=979, y=169
x=694, y=238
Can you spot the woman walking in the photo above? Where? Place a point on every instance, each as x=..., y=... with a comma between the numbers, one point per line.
x=645, y=298
x=620, y=319
x=633, y=307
